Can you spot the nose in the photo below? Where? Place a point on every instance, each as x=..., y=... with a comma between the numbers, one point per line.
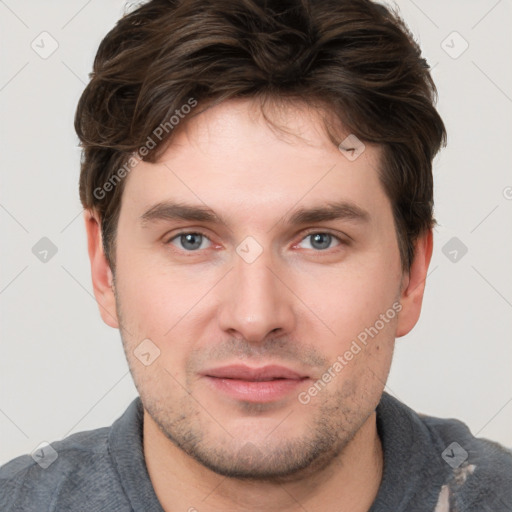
x=254, y=301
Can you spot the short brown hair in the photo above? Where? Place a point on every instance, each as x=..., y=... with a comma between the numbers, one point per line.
x=354, y=58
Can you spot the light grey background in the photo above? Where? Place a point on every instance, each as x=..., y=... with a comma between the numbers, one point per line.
x=62, y=370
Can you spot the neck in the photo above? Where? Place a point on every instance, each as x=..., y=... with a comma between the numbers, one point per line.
x=349, y=483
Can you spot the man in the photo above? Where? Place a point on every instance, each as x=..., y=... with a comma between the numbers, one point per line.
x=257, y=181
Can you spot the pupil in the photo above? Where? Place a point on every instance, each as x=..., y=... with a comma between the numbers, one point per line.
x=318, y=237
x=191, y=240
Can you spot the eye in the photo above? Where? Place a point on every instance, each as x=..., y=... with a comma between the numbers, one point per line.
x=321, y=241
x=194, y=241
x=190, y=242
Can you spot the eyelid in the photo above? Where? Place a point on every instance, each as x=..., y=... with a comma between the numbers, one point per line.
x=185, y=231
x=169, y=241
x=340, y=237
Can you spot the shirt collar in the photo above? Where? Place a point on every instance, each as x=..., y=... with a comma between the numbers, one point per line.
x=413, y=469
x=126, y=449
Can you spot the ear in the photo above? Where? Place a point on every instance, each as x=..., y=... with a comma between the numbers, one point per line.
x=102, y=278
x=413, y=285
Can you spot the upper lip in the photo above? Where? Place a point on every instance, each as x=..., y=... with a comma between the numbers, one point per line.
x=242, y=372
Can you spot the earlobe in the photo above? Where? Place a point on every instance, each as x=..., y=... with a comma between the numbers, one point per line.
x=101, y=273
x=413, y=286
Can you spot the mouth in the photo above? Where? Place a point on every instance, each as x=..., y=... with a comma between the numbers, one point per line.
x=263, y=384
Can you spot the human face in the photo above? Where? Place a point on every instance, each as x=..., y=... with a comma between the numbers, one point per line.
x=257, y=286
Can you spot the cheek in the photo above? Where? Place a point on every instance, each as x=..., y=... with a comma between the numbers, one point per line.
x=154, y=313
x=360, y=306
x=143, y=297
x=159, y=302
x=349, y=299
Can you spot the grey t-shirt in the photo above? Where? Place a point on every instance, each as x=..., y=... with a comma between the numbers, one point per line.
x=430, y=464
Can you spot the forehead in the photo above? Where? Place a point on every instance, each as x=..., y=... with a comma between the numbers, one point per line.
x=232, y=160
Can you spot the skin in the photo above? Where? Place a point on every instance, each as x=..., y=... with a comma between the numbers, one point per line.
x=296, y=305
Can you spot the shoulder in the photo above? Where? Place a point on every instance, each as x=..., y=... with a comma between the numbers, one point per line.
x=481, y=470
x=77, y=461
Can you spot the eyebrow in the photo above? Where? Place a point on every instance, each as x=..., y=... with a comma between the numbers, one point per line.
x=170, y=210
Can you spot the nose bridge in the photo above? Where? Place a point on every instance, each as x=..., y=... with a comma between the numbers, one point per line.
x=254, y=302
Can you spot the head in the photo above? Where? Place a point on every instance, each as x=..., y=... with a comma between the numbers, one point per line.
x=230, y=222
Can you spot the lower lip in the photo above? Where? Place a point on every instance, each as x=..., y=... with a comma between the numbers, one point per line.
x=252, y=391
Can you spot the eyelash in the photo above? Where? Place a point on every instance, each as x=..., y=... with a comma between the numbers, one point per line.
x=307, y=233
